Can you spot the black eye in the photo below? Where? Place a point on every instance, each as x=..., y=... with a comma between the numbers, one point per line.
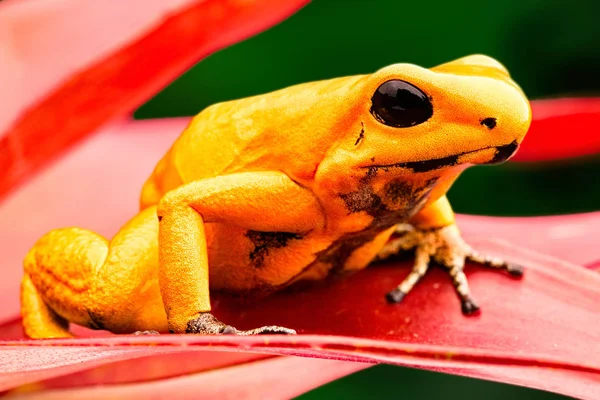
x=399, y=104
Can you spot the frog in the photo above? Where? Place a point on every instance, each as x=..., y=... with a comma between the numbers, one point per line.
x=302, y=184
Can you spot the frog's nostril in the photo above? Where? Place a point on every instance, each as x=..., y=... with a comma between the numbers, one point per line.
x=489, y=123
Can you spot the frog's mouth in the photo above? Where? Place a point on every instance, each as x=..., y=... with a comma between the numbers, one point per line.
x=502, y=154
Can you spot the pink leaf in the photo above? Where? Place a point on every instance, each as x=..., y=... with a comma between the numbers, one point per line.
x=274, y=377
x=70, y=74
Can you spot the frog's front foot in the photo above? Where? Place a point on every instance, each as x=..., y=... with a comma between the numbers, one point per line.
x=207, y=324
x=445, y=247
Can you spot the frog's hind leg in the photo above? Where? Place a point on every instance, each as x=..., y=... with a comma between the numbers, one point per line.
x=78, y=276
x=57, y=281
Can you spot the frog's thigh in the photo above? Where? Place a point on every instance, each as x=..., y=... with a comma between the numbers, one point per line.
x=58, y=281
x=80, y=277
x=127, y=295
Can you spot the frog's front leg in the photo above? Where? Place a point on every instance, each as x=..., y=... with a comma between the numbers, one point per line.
x=262, y=201
x=434, y=236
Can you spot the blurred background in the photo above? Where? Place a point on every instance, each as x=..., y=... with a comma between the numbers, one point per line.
x=551, y=48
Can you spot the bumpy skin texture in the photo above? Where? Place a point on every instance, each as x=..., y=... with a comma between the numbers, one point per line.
x=298, y=184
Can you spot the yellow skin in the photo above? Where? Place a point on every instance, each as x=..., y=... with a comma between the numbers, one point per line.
x=299, y=184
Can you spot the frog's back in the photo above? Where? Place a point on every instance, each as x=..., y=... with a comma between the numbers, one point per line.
x=289, y=130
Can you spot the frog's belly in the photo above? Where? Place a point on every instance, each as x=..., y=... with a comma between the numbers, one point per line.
x=242, y=260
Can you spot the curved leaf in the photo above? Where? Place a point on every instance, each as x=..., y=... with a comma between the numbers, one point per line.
x=104, y=73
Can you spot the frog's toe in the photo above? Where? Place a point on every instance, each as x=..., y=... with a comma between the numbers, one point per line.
x=207, y=324
x=229, y=330
x=514, y=270
x=140, y=333
x=395, y=296
x=264, y=330
x=469, y=307
x=268, y=330
x=420, y=268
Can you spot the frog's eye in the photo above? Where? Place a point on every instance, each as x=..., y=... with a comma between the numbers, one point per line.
x=399, y=104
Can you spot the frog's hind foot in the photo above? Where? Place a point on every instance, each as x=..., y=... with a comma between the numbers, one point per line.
x=207, y=324
x=445, y=247
x=57, y=282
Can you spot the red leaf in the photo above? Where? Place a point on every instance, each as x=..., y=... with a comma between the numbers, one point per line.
x=543, y=327
x=552, y=120
x=149, y=44
x=569, y=237
x=537, y=332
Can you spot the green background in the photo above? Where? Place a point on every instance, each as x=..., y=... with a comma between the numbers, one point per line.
x=551, y=47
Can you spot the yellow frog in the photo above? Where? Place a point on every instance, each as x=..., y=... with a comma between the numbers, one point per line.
x=299, y=184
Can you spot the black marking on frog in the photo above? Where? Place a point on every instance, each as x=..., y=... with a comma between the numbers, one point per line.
x=405, y=198
x=421, y=166
x=361, y=135
x=400, y=192
x=265, y=241
x=503, y=153
x=432, y=181
x=430, y=165
x=364, y=198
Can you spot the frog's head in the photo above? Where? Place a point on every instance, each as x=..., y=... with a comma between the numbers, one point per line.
x=412, y=119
